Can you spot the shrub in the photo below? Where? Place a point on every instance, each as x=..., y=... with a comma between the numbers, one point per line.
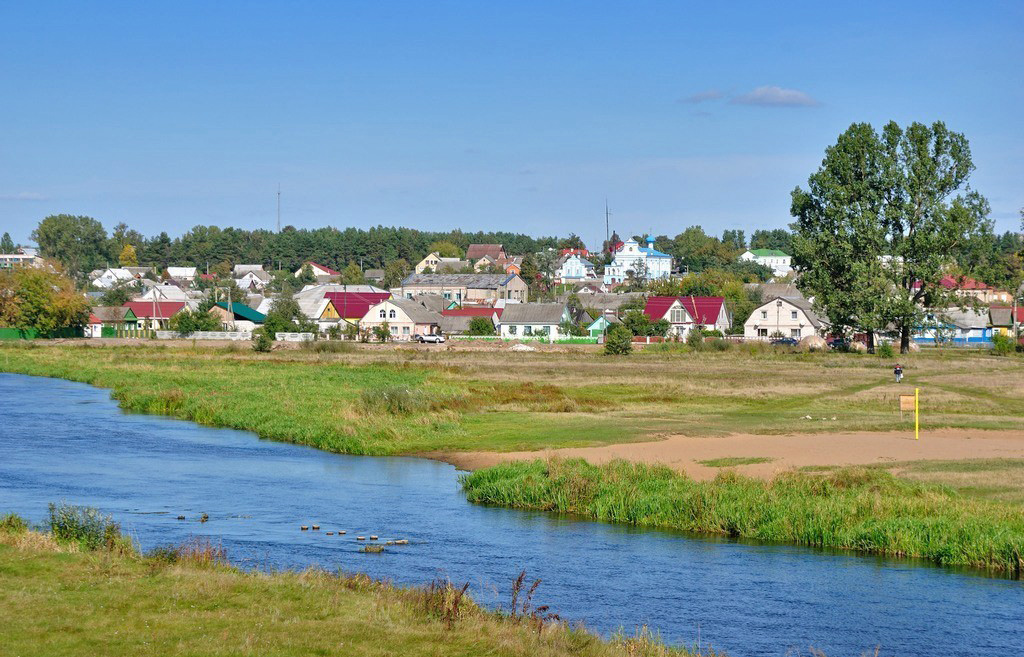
x=83, y=525
x=322, y=346
x=261, y=340
x=885, y=350
x=718, y=344
x=382, y=332
x=12, y=523
x=619, y=341
x=480, y=326
x=396, y=400
x=1002, y=345
x=695, y=339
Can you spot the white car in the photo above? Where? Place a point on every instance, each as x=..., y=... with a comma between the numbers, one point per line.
x=435, y=338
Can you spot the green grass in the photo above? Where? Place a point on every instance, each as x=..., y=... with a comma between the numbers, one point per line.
x=60, y=600
x=733, y=461
x=494, y=400
x=862, y=509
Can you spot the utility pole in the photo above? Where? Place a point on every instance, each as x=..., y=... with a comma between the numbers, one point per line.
x=279, y=207
x=607, y=223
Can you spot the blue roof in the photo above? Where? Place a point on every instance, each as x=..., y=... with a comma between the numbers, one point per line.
x=654, y=252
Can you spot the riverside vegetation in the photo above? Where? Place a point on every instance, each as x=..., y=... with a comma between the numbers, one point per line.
x=63, y=594
x=407, y=400
x=862, y=509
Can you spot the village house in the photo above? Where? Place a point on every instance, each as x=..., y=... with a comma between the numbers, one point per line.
x=184, y=275
x=778, y=261
x=151, y=315
x=954, y=326
x=476, y=251
x=111, y=277
x=538, y=321
x=25, y=257
x=237, y=316
x=106, y=321
x=603, y=324
x=573, y=268
x=455, y=321
x=467, y=288
x=1003, y=322
x=348, y=303
x=435, y=264
x=251, y=277
x=973, y=289
x=646, y=263
x=787, y=317
x=686, y=313
x=405, y=319
x=166, y=291
x=319, y=271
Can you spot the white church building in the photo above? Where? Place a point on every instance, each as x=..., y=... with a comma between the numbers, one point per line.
x=632, y=257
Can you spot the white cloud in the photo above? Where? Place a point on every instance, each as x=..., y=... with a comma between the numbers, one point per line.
x=703, y=96
x=771, y=96
x=22, y=196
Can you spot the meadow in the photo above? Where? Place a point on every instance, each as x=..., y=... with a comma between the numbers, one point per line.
x=59, y=597
x=406, y=400
x=863, y=509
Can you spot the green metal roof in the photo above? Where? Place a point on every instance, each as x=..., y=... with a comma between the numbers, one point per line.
x=764, y=253
x=243, y=311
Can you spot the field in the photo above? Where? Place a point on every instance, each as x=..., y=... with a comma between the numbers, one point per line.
x=58, y=599
x=402, y=400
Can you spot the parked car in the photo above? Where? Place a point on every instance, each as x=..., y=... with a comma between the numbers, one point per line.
x=788, y=342
x=839, y=344
x=434, y=338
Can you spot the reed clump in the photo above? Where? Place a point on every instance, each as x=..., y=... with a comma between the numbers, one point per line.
x=862, y=509
x=87, y=527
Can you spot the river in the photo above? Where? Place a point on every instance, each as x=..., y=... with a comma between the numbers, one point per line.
x=67, y=441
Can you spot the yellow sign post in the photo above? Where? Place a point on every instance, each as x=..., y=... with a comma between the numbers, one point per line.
x=910, y=403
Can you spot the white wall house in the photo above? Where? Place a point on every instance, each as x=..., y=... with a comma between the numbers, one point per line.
x=575, y=269
x=632, y=257
x=405, y=319
x=686, y=313
x=788, y=317
x=111, y=277
x=778, y=261
x=526, y=321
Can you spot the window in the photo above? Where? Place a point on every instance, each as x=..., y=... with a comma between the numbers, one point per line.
x=405, y=330
x=762, y=333
x=394, y=329
x=447, y=295
x=527, y=330
x=677, y=315
x=391, y=314
x=382, y=313
x=764, y=314
x=792, y=315
x=512, y=330
x=794, y=333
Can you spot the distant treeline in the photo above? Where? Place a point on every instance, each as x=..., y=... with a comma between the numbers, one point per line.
x=82, y=245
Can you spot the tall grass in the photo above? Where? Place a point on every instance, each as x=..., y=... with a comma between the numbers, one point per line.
x=85, y=526
x=868, y=510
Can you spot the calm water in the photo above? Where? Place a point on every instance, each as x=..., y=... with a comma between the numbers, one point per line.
x=67, y=441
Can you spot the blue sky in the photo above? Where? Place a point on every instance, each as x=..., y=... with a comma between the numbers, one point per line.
x=482, y=115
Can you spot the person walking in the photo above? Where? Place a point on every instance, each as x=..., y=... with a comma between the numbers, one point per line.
x=898, y=372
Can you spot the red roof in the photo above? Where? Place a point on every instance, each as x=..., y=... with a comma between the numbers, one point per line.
x=583, y=253
x=479, y=311
x=93, y=319
x=164, y=309
x=330, y=272
x=962, y=283
x=705, y=310
x=355, y=304
x=207, y=277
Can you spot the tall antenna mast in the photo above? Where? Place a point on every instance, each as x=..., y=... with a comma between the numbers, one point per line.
x=279, y=207
x=607, y=217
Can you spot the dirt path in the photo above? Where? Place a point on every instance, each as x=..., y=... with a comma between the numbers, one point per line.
x=787, y=451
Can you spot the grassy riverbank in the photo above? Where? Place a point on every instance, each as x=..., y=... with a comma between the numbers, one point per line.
x=61, y=599
x=859, y=509
x=400, y=400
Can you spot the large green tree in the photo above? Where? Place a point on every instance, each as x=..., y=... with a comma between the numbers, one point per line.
x=79, y=243
x=40, y=299
x=6, y=244
x=882, y=222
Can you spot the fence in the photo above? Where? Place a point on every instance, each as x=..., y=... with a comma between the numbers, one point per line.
x=205, y=335
x=294, y=337
x=32, y=334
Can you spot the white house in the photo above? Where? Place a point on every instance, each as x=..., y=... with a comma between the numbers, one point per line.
x=788, y=317
x=108, y=278
x=318, y=270
x=253, y=280
x=436, y=264
x=184, y=274
x=647, y=262
x=533, y=321
x=686, y=313
x=405, y=319
x=778, y=261
x=575, y=269
x=165, y=292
